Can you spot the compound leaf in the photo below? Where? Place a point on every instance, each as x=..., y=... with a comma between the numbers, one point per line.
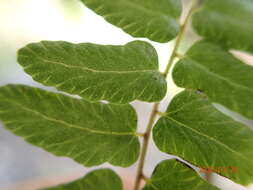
x=228, y=22
x=197, y=132
x=225, y=79
x=105, y=179
x=119, y=74
x=173, y=174
x=141, y=18
x=89, y=133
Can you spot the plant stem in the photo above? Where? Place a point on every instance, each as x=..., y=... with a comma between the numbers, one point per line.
x=179, y=38
x=155, y=111
x=145, y=147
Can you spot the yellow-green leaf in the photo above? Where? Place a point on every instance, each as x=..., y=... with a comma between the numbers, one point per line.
x=197, y=132
x=228, y=22
x=216, y=72
x=174, y=175
x=157, y=21
x=119, y=74
x=102, y=179
x=89, y=133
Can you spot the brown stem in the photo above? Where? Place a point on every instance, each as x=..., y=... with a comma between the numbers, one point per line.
x=145, y=147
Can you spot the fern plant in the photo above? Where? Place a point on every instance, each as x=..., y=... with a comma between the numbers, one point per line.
x=92, y=131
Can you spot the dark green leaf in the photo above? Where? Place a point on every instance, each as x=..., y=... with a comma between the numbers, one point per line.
x=229, y=22
x=141, y=18
x=196, y=131
x=103, y=179
x=89, y=133
x=172, y=175
x=119, y=74
x=224, y=78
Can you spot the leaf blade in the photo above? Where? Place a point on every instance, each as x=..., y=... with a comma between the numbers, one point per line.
x=157, y=22
x=225, y=79
x=97, y=72
x=98, y=179
x=197, y=132
x=222, y=19
x=179, y=176
x=87, y=132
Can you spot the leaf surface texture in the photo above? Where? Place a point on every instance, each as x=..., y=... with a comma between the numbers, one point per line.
x=141, y=18
x=172, y=174
x=216, y=72
x=196, y=131
x=89, y=133
x=102, y=179
x=119, y=74
x=228, y=22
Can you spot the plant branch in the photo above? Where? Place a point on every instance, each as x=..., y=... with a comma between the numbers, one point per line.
x=180, y=38
x=155, y=111
x=145, y=147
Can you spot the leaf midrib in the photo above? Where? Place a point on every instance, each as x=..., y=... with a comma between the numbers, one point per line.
x=71, y=125
x=83, y=67
x=210, y=138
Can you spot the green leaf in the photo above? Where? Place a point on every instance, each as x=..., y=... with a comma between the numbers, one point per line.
x=105, y=179
x=216, y=72
x=173, y=174
x=89, y=133
x=119, y=74
x=228, y=22
x=197, y=132
x=141, y=18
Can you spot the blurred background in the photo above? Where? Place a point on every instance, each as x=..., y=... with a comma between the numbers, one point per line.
x=25, y=167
